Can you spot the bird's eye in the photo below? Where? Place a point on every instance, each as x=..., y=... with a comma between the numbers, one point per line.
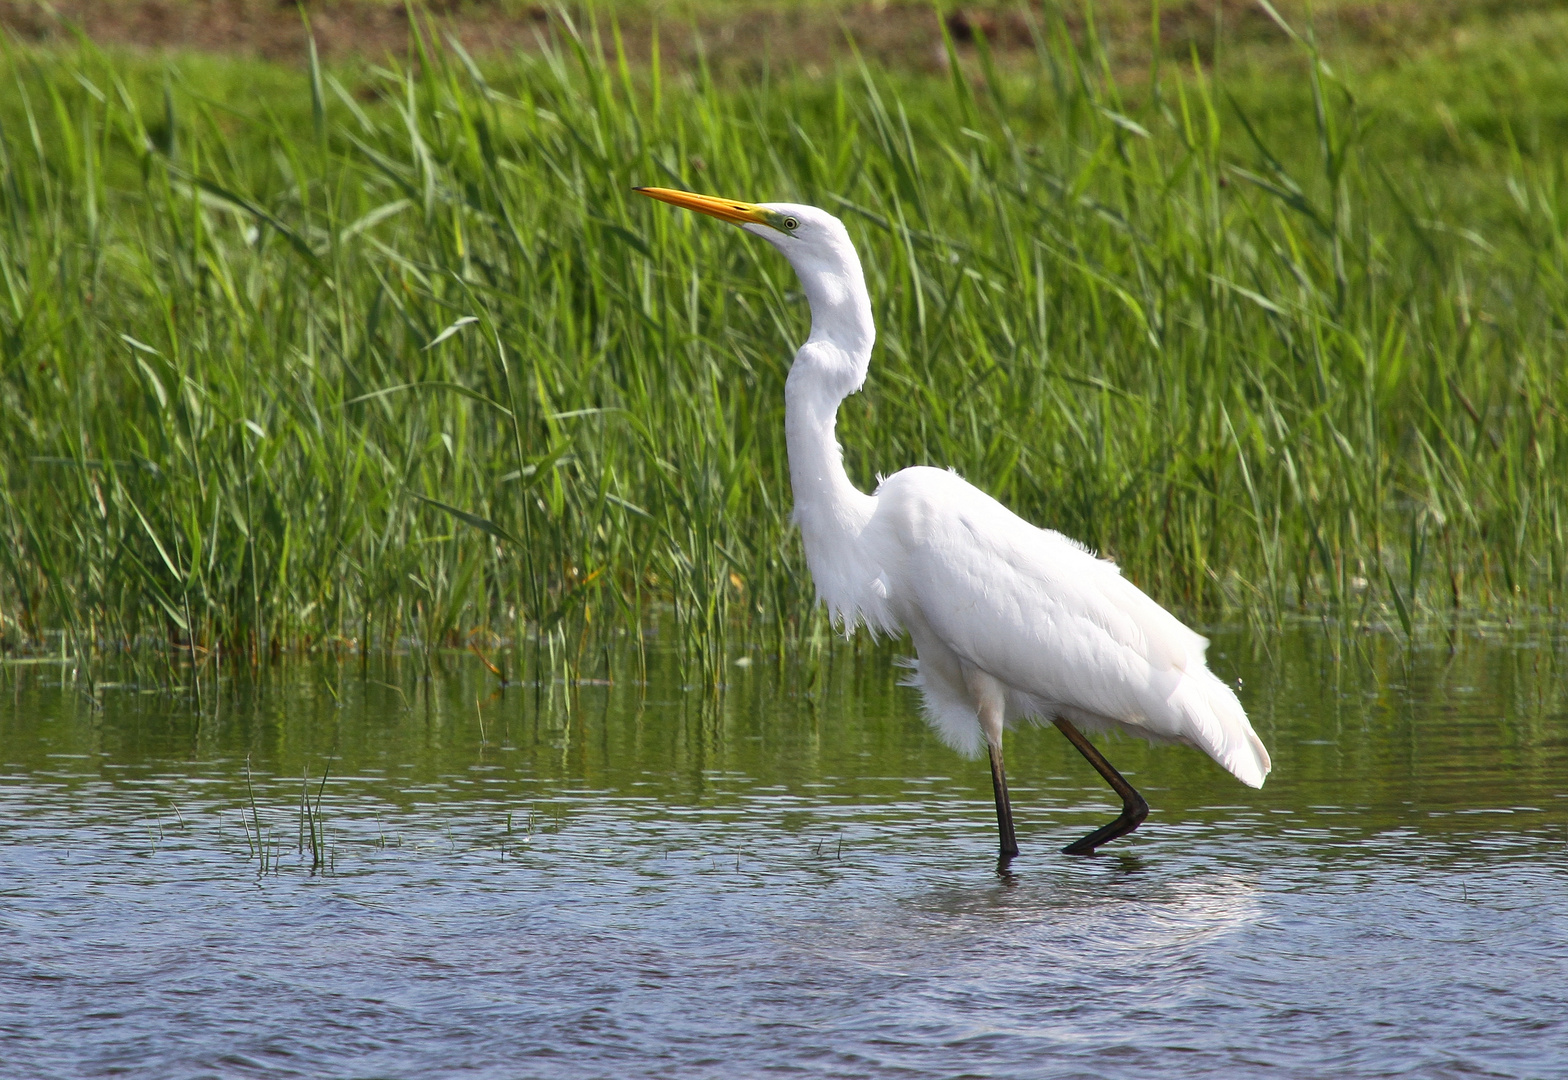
x=791, y=224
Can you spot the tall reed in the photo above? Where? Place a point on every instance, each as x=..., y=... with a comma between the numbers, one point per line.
x=393, y=356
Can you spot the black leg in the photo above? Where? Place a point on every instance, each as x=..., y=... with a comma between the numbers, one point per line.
x=1134, y=809
x=1004, y=806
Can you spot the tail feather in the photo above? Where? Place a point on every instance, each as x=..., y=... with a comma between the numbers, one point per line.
x=1219, y=727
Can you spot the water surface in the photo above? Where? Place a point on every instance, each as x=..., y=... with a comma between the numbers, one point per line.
x=623, y=878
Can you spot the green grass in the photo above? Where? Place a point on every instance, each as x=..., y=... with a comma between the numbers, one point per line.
x=1313, y=366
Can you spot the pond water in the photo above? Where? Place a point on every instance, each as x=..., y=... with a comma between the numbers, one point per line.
x=626, y=878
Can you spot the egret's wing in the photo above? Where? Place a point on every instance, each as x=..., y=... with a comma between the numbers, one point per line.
x=1030, y=606
x=1043, y=615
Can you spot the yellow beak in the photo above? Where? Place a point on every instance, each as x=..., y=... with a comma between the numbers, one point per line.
x=737, y=213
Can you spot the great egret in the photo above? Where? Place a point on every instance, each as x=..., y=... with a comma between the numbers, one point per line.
x=1009, y=622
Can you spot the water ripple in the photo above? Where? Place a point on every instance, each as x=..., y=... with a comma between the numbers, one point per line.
x=674, y=898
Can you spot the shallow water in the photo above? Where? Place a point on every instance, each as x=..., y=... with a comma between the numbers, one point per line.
x=623, y=881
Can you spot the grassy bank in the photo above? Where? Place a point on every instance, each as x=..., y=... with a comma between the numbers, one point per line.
x=371, y=355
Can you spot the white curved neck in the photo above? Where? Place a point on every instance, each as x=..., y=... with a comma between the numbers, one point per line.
x=832, y=364
x=816, y=461
x=830, y=511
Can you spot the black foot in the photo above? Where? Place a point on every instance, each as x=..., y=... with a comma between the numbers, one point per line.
x=1132, y=816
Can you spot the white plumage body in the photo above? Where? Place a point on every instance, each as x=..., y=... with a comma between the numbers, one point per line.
x=1063, y=631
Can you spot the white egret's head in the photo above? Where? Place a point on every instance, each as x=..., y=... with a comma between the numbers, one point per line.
x=818, y=247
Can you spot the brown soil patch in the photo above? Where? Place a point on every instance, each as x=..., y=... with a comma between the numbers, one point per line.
x=735, y=40
x=273, y=30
